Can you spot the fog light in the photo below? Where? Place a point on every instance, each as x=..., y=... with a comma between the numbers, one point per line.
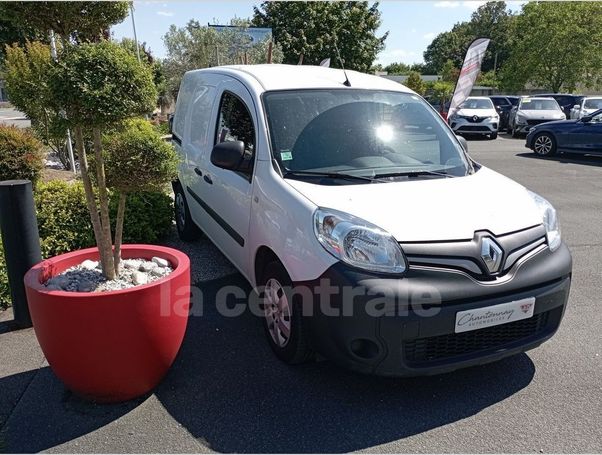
x=364, y=348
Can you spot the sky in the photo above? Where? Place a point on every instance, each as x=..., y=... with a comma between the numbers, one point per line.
x=411, y=24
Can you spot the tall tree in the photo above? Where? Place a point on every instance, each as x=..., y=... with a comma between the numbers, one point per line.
x=491, y=20
x=557, y=45
x=14, y=32
x=311, y=30
x=195, y=46
x=397, y=68
x=78, y=21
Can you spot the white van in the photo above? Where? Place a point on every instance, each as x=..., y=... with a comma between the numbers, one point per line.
x=380, y=243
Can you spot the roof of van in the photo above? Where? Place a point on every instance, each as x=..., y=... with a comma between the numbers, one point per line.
x=284, y=77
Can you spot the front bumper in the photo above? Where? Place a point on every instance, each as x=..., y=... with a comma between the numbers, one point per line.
x=484, y=127
x=405, y=326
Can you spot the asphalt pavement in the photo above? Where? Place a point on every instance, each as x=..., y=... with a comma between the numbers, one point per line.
x=228, y=393
x=10, y=116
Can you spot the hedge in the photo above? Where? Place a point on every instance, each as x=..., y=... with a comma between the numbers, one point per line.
x=21, y=154
x=64, y=222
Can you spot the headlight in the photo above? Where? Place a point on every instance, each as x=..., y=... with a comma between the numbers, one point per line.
x=520, y=118
x=549, y=219
x=358, y=242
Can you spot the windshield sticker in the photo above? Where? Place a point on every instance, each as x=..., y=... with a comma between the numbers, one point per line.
x=286, y=155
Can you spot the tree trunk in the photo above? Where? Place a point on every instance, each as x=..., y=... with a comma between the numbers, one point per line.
x=90, y=198
x=119, y=231
x=103, y=196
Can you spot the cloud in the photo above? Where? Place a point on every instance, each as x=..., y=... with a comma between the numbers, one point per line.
x=165, y=13
x=473, y=4
x=429, y=35
x=398, y=55
x=446, y=4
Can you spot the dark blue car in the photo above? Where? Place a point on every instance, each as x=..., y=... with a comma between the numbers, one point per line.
x=574, y=136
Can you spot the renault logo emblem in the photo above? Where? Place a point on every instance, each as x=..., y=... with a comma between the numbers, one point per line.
x=491, y=254
x=475, y=118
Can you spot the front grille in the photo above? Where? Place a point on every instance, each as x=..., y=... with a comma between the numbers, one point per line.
x=473, y=119
x=473, y=128
x=536, y=122
x=465, y=255
x=423, y=351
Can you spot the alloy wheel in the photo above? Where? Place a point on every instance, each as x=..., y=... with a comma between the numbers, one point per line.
x=543, y=145
x=277, y=312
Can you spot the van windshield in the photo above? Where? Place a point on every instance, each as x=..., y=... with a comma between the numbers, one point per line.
x=363, y=133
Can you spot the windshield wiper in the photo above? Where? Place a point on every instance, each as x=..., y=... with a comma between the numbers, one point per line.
x=413, y=174
x=332, y=175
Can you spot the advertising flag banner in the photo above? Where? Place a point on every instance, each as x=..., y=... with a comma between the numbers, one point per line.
x=468, y=73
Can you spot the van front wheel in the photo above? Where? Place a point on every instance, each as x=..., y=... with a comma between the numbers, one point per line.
x=283, y=321
x=187, y=230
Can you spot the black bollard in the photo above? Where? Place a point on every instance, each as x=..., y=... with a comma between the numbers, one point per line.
x=21, y=241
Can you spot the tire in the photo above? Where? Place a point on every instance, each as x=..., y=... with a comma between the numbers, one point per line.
x=544, y=144
x=281, y=313
x=187, y=229
x=493, y=136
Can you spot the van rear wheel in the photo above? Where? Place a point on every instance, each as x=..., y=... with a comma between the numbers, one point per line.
x=283, y=321
x=187, y=229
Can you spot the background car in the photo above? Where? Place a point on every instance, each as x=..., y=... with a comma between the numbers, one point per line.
x=588, y=105
x=575, y=136
x=565, y=101
x=476, y=116
x=532, y=111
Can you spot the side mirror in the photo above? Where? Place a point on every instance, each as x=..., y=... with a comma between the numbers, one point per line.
x=228, y=155
x=576, y=106
x=586, y=118
x=463, y=142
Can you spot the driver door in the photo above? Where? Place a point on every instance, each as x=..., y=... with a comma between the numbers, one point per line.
x=227, y=193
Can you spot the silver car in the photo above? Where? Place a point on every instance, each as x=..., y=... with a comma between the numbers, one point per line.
x=532, y=111
x=476, y=116
x=588, y=105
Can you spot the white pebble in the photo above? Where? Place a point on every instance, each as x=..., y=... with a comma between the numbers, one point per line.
x=139, y=278
x=131, y=264
x=89, y=265
x=160, y=262
x=158, y=271
x=147, y=266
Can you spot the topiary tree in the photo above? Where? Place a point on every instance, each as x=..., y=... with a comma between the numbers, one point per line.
x=26, y=74
x=99, y=86
x=21, y=155
x=136, y=159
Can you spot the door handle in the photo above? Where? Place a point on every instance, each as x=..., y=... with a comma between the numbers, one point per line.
x=198, y=172
x=208, y=179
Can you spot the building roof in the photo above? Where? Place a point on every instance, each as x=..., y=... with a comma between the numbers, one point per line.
x=285, y=77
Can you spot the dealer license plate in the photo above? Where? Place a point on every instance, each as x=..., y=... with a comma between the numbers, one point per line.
x=479, y=318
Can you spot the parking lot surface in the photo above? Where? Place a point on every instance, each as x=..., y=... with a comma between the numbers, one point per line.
x=10, y=116
x=227, y=392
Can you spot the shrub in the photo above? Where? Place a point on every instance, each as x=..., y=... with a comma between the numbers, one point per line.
x=64, y=221
x=21, y=155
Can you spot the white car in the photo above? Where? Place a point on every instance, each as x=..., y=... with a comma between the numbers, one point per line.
x=533, y=111
x=588, y=105
x=476, y=116
x=370, y=235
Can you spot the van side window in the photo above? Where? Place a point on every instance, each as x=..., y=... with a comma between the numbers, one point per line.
x=235, y=124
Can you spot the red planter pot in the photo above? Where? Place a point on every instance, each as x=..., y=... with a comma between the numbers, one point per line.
x=111, y=346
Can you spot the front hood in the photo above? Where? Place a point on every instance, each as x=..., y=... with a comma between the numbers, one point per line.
x=433, y=209
x=542, y=114
x=557, y=122
x=477, y=112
